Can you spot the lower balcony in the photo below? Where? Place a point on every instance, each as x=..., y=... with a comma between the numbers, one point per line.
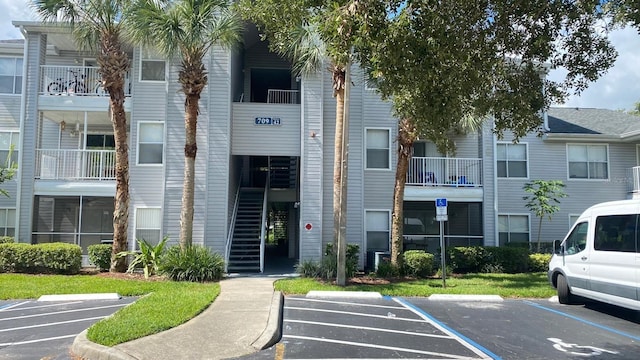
x=74, y=165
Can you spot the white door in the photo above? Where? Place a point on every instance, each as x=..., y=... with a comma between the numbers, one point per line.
x=576, y=257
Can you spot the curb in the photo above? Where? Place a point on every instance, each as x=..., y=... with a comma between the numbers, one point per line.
x=87, y=349
x=273, y=331
x=344, y=294
x=462, y=297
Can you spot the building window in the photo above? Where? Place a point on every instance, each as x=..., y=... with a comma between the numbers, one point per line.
x=148, y=225
x=378, y=154
x=573, y=219
x=152, y=66
x=377, y=228
x=150, y=142
x=7, y=222
x=10, y=75
x=512, y=160
x=513, y=228
x=9, y=140
x=588, y=161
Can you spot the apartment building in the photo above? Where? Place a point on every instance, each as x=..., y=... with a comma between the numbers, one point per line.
x=264, y=169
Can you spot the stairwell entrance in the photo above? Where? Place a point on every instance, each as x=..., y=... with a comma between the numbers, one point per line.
x=267, y=208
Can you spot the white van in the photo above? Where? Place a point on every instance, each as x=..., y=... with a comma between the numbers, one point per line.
x=599, y=259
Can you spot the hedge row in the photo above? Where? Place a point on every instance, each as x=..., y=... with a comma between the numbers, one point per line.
x=476, y=259
x=49, y=258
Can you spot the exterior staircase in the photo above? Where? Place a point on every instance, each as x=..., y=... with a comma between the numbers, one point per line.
x=244, y=255
x=283, y=172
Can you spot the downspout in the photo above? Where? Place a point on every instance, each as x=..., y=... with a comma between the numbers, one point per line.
x=301, y=166
x=23, y=112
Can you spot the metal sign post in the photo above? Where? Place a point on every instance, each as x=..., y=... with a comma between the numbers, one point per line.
x=441, y=216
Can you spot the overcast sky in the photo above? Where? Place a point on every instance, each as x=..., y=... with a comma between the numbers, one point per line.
x=618, y=89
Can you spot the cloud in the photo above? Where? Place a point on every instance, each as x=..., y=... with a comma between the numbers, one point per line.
x=13, y=10
x=619, y=88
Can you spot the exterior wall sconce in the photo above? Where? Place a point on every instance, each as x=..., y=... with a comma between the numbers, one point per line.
x=63, y=125
x=312, y=134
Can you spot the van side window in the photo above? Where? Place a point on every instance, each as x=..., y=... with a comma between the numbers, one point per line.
x=616, y=233
x=577, y=240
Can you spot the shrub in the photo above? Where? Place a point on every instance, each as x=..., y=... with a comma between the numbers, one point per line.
x=49, y=258
x=6, y=239
x=418, y=263
x=353, y=251
x=100, y=255
x=511, y=259
x=467, y=259
x=387, y=270
x=194, y=263
x=148, y=257
x=308, y=269
x=539, y=262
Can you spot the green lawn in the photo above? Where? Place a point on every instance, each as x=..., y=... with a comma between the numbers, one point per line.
x=167, y=304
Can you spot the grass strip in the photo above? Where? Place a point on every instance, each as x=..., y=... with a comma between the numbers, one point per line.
x=168, y=304
x=533, y=285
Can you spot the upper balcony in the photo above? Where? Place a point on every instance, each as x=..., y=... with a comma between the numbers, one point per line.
x=458, y=179
x=71, y=164
x=67, y=87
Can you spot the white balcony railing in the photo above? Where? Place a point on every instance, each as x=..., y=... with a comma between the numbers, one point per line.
x=440, y=171
x=275, y=96
x=633, y=179
x=75, y=164
x=74, y=80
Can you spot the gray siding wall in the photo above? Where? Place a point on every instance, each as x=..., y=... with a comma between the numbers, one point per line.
x=312, y=174
x=489, y=206
x=36, y=45
x=547, y=160
x=216, y=155
x=148, y=104
x=274, y=140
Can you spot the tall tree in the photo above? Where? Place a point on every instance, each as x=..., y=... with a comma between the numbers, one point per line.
x=310, y=33
x=444, y=61
x=186, y=29
x=543, y=199
x=97, y=26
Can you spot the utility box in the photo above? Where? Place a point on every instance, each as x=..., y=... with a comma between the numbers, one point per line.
x=374, y=258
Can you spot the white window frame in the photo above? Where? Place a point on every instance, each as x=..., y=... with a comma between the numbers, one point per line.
x=577, y=216
x=589, y=178
x=366, y=148
x=366, y=239
x=15, y=59
x=164, y=131
x=508, y=215
x=151, y=56
x=135, y=228
x=14, y=135
x=526, y=149
x=5, y=212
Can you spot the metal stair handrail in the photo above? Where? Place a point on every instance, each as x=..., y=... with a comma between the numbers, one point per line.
x=227, y=247
x=263, y=224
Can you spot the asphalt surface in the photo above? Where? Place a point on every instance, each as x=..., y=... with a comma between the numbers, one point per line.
x=455, y=329
x=45, y=330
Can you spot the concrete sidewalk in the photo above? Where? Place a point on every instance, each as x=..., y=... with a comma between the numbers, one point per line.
x=243, y=319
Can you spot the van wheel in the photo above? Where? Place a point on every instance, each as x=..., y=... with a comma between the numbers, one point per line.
x=564, y=294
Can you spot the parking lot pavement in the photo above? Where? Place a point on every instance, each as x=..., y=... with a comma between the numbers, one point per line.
x=320, y=328
x=45, y=330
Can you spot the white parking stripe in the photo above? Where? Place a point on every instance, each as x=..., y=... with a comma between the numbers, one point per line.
x=353, y=313
x=62, y=312
x=43, y=306
x=369, y=328
x=382, y=347
x=348, y=303
x=53, y=323
x=14, y=305
x=38, y=340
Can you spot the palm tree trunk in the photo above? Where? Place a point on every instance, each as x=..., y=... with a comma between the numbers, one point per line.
x=406, y=138
x=337, y=164
x=190, y=150
x=114, y=63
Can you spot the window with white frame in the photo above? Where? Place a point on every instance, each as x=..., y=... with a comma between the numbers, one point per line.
x=7, y=222
x=9, y=144
x=377, y=229
x=152, y=66
x=511, y=160
x=148, y=225
x=378, y=151
x=588, y=161
x=10, y=75
x=150, y=142
x=513, y=228
x=572, y=219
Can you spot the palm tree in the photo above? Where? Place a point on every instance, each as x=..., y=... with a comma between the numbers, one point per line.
x=186, y=29
x=98, y=26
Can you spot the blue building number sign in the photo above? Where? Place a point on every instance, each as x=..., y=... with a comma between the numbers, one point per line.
x=263, y=120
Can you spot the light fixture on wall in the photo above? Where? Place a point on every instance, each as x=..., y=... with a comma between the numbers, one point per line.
x=63, y=125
